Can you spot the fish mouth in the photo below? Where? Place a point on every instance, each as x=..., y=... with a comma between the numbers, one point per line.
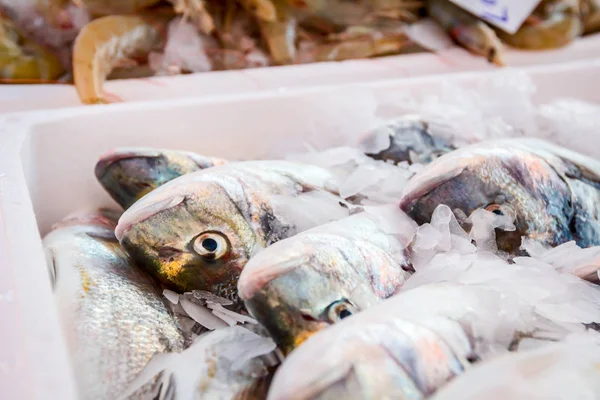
x=287, y=326
x=423, y=183
x=116, y=155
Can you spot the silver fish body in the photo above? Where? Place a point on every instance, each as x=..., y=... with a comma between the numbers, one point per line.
x=553, y=193
x=127, y=174
x=112, y=314
x=381, y=353
x=448, y=316
x=198, y=231
x=305, y=283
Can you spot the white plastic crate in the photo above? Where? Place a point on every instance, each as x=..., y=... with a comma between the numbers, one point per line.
x=30, y=97
x=46, y=171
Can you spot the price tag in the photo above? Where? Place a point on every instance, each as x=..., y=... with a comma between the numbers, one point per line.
x=507, y=15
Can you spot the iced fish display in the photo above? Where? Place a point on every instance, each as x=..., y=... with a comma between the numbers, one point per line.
x=551, y=192
x=127, y=174
x=321, y=276
x=198, y=231
x=455, y=311
x=226, y=363
x=438, y=254
x=112, y=315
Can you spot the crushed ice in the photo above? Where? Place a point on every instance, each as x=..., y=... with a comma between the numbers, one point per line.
x=205, y=309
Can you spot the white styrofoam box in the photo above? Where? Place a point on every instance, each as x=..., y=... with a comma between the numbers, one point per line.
x=29, y=97
x=47, y=160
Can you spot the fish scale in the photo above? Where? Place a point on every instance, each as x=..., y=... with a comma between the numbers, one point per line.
x=112, y=315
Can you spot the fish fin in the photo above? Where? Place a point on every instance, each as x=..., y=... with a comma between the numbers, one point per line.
x=169, y=391
x=155, y=367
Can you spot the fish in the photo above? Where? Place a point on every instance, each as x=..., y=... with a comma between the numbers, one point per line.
x=198, y=231
x=455, y=315
x=410, y=138
x=112, y=314
x=307, y=282
x=552, y=193
x=227, y=363
x=127, y=174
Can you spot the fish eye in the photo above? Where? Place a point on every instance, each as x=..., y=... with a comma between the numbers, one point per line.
x=500, y=209
x=211, y=245
x=339, y=310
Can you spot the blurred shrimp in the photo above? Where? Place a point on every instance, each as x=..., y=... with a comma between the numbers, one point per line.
x=590, y=15
x=53, y=11
x=22, y=60
x=196, y=12
x=355, y=42
x=467, y=30
x=239, y=35
x=263, y=9
x=109, y=42
x=359, y=12
x=280, y=35
x=553, y=23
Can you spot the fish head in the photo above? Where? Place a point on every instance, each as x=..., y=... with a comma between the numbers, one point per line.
x=189, y=236
x=504, y=178
x=306, y=283
x=130, y=173
x=409, y=138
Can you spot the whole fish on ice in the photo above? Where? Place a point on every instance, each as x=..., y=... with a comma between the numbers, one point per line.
x=450, y=315
x=112, y=314
x=305, y=283
x=198, y=231
x=552, y=193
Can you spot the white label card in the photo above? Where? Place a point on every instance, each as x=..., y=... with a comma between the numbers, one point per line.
x=507, y=15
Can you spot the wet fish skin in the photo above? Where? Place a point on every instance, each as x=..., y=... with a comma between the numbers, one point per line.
x=198, y=231
x=553, y=193
x=127, y=174
x=112, y=315
x=319, y=277
x=377, y=355
x=411, y=140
